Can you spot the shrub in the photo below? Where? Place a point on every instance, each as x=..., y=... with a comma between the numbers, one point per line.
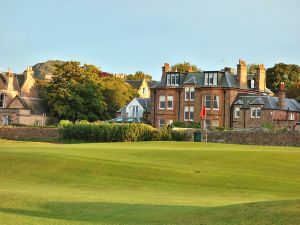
x=179, y=135
x=187, y=125
x=63, y=123
x=106, y=132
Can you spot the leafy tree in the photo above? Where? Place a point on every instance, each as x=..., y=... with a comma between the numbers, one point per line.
x=75, y=92
x=139, y=75
x=184, y=67
x=252, y=68
x=287, y=73
x=294, y=91
x=117, y=94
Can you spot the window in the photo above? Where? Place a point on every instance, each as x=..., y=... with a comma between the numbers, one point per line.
x=216, y=102
x=161, y=122
x=189, y=113
x=237, y=111
x=210, y=79
x=186, y=113
x=207, y=101
x=170, y=102
x=292, y=116
x=162, y=102
x=206, y=124
x=255, y=112
x=5, y=120
x=192, y=93
x=135, y=111
x=215, y=123
x=252, y=84
x=173, y=79
x=144, y=90
x=189, y=93
x=2, y=100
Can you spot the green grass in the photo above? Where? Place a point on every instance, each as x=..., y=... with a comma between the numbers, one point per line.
x=148, y=183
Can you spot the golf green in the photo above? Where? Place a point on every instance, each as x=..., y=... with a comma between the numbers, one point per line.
x=159, y=183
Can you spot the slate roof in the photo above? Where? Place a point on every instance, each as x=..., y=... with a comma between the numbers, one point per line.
x=36, y=106
x=268, y=102
x=145, y=103
x=135, y=83
x=226, y=80
x=152, y=83
x=2, y=77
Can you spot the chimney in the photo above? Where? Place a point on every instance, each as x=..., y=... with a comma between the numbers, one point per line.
x=242, y=74
x=29, y=88
x=281, y=95
x=166, y=68
x=10, y=80
x=261, y=78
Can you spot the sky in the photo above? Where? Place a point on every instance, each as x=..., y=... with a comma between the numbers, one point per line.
x=124, y=36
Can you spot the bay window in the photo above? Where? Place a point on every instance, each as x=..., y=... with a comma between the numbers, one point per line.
x=216, y=102
x=207, y=101
x=189, y=93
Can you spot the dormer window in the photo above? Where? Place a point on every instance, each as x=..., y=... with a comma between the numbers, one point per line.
x=2, y=100
x=173, y=79
x=210, y=78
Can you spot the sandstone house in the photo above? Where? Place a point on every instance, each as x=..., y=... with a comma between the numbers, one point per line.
x=237, y=100
x=19, y=99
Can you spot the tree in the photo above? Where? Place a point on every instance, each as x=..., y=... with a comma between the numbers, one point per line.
x=294, y=91
x=139, y=75
x=287, y=73
x=117, y=94
x=184, y=67
x=75, y=92
x=252, y=68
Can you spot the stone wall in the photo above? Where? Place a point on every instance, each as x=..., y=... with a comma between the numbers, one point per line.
x=29, y=133
x=275, y=138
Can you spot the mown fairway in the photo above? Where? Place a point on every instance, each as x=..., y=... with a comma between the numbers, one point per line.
x=148, y=183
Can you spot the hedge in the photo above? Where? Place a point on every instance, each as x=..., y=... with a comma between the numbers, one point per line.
x=112, y=132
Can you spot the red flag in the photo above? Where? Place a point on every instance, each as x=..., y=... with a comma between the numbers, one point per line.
x=203, y=112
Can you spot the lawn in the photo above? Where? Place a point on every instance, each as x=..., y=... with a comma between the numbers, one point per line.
x=149, y=183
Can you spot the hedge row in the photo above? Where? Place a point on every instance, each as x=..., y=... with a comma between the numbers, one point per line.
x=110, y=132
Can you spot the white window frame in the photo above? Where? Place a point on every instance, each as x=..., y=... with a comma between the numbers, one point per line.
x=255, y=110
x=173, y=79
x=237, y=109
x=162, y=98
x=161, y=123
x=186, y=110
x=170, y=99
x=191, y=111
x=206, y=126
x=192, y=90
x=169, y=122
x=292, y=116
x=205, y=100
x=187, y=93
x=210, y=78
x=216, y=98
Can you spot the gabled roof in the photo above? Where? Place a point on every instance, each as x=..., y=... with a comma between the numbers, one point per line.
x=268, y=102
x=145, y=103
x=2, y=78
x=36, y=106
x=135, y=83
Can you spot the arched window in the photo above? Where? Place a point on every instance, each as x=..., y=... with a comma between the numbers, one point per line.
x=2, y=100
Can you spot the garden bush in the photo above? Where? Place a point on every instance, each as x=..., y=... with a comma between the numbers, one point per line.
x=112, y=132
